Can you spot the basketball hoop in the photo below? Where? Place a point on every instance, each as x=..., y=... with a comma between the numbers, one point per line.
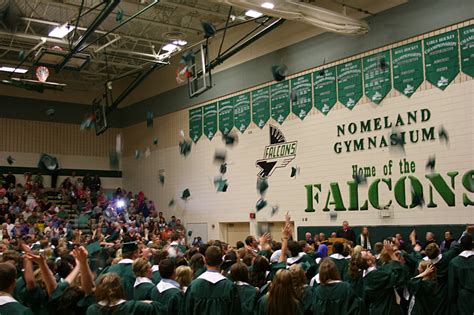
x=182, y=73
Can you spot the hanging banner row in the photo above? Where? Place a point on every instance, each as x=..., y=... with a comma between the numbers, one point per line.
x=345, y=83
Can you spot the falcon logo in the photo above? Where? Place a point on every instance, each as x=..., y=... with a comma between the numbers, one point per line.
x=278, y=154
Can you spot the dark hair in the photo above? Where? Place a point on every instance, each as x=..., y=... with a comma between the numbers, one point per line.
x=240, y=244
x=294, y=248
x=282, y=298
x=258, y=274
x=196, y=262
x=7, y=276
x=247, y=259
x=378, y=247
x=328, y=271
x=167, y=267
x=466, y=242
x=239, y=272
x=229, y=259
x=68, y=302
x=159, y=256
x=65, y=265
x=337, y=248
x=432, y=251
x=213, y=256
x=249, y=239
x=174, y=237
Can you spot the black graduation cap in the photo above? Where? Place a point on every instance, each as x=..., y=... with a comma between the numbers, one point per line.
x=262, y=186
x=10, y=160
x=128, y=247
x=50, y=112
x=230, y=139
x=360, y=179
x=48, y=163
x=185, y=147
x=220, y=156
x=113, y=159
x=400, y=141
x=275, y=209
x=223, y=168
x=382, y=63
x=220, y=184
x=294, y=96
x=279, y=72
x=208, y=28
x=190, y=233
x=155, y=141
x=295, y=170
x=418, y=199
x=186, y=194
x=431, y=163
x=261, y=203
x=443, y=135
x=171, y=203
x=322, y=72
x=187, y=56
x=149, y=119
x=161, y=174
x=119, y=16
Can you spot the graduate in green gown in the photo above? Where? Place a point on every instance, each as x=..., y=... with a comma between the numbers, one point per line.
x=110, y=296
x=247, y=293
x=124, y=268
x=8, y=305
x=461, y=279
x=168, y=291
x=143, y=284
x=212, y=293
x=422, y=290
x=340, y=261
x=332, y=296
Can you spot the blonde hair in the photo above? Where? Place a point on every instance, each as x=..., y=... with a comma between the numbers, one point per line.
x=425, y=264
x=184, y=276
x=140, y=267
x=357, y=250
x=109, y=289
x=298, y=278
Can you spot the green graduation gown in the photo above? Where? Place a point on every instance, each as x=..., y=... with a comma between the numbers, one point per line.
x=336, y=298
x=168, y=293
x=127, y=308
x=155, y=276
x=341, y=264
x=124, y=269
x=262, y=307
x=379, y=292
x=142, y=289
x=211, y=293
x=461, y=283
x=10, y=306
x=248, y=297
x=36, y=299
x=421, y=296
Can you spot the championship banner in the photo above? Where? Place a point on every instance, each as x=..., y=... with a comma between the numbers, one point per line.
x=226, y=115
x=242, y=111
x=301, y=95
x=349, y=85
x=407, y=68
x=195, y=123
x=261, y=106
x=325, y=89
x=280, y=101
x=441, y=59
x=467, y=49
x=210, y=120
x=377, y=76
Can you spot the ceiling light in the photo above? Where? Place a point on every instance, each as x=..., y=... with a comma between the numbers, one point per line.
x=12, y=69
x=268, y=5
x=61, y=31
x=180, y=42
x=253, y=14
x=169, y=47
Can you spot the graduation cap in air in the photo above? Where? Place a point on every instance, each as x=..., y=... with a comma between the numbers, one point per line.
x=295, y=170
x=113, y=159
x=279, y=72
x=171, y=203
x=190, y=233
x=294, y=96
x=87, y=122
x=50, y=112
x=431, y=163
x=443, y=135
x=128, y=247
x=138, y=154
x=119, y=144
x=186, y=194
x=383, y=63
x=261, y=203
x=223, y=168
x=147, y=152
x=417, y=198
x=48, y=163
x=21, y=55
x=93, y=248
x=10, y=160
x=208, y=28
x=220, y=156
x=184, y=147
x=360, y=179
x=275, y=209
x=395, y=135
x=161, y=174
x=187, y=56
x=149, y=119
x=155, y=141
x=322, y=71
x=262, y=186
x=119, y=16
x=220, y=184
x=230, y=139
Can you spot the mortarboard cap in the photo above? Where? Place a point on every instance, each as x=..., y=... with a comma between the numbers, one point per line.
x=400, y=141
x=230, y=139
x=155, y=141
x=220, y=156
x=186, y=194
x=275, y=209
x=184, y=147
x=190, y=233
x=93, y=248
x=220, y=184
x=171, y=203
x=161, y=174
x=262, y=186
x=10, y=160
x=119, y=16
x=138, y=154
x=443, y=135
x=223, y=168
x=417, y=199
x=360, y=179
x=279, y=72
x=48, y=163
x=50, y=112
x=295, y=170
x=149, y=119
x=21, y=55
x=208, y=28
x=431, y=163
x=113, y=159
x=129, y=247
x=261, y=203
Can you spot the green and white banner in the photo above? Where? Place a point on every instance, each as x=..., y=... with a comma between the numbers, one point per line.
x=325, y=89
x=210, y=120
x=349, y=85
x=441, y=59
x=280, y=101
x=226, y=115
x=377, y=76
x=467, y=49
x=261, y=106
x=301, y=95
x=195, y=123
x=407, y=68
x=242, y=111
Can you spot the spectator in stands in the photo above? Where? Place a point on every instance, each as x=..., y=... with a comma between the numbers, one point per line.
x=346, y=232
x=10, y=179
x=308, y=238
x=38, y=180
x=430, y=239
x=446, y=243
x=172, y=223
x=97, y=184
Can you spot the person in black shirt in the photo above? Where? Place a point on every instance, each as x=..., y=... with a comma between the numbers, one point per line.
x=346, y=232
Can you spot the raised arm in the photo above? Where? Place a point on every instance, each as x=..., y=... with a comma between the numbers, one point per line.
x=28, y=274
x=87, y=279
x=46, y=273
x=285, y=235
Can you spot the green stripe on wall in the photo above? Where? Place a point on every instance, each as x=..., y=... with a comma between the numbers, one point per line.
x=62, y=172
